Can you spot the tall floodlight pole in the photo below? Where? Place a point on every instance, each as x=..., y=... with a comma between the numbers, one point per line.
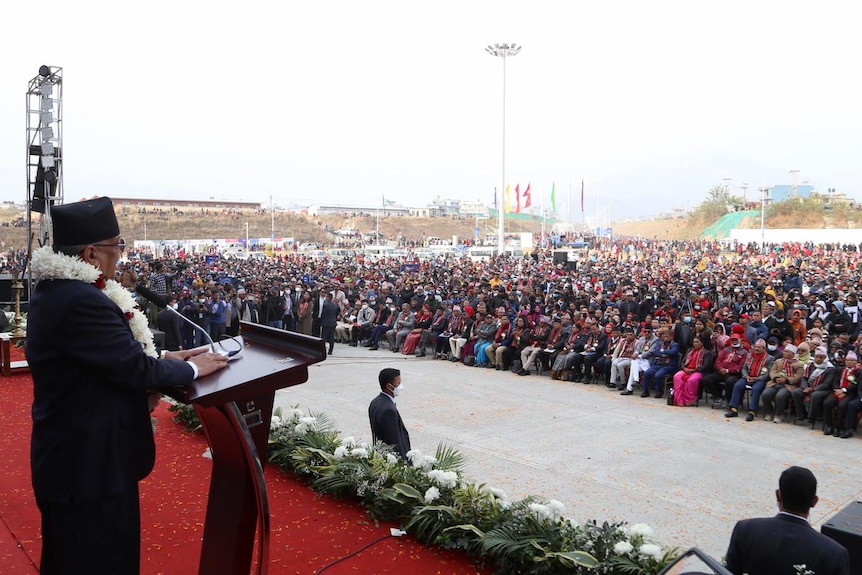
x=763, y=191
x=502, y=51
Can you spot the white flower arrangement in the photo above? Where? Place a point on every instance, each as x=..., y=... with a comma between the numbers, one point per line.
x=501, y=496
x=432, y=494
x=641, y=530
x=348, y=441
x=556, y=509
x=650, y=550
x=360, y=452
x=443, y=478
x=540, y=512
x=419, y=459
x=498, y=493
x=340, y=452
x=418, y=488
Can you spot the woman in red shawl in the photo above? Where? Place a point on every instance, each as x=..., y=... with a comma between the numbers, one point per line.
x=423, y=320
x=686, y=382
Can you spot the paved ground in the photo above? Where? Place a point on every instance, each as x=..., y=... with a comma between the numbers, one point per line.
x=687, y=472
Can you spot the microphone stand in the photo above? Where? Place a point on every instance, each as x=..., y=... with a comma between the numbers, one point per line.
x=223, y=352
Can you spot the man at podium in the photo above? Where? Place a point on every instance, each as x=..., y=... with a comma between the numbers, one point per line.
x=93, y=363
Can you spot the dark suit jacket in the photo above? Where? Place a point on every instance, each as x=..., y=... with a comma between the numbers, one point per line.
x=386, y=424
x=773, y=545
x=169, y=323
x=330, y=315
x=92, y=435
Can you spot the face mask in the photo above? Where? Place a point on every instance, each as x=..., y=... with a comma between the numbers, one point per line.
x=686, y=319
x=397, y=391
x=202, y=301
x=771, y=347
x=174, y=306
x=365, y=306
x=736, y=345
x=779, y=320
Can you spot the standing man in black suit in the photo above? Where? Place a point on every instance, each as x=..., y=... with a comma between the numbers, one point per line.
x=169, y=323
x=774, y=545
x=386, y=424
x=328, y=321
x=319, y=298
x=94, y=365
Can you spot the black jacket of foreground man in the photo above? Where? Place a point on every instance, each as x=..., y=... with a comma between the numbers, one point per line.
x=92, y=436
x=386, y=424
x=773, y=545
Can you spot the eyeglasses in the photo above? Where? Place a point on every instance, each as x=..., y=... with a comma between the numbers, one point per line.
x=121, y=245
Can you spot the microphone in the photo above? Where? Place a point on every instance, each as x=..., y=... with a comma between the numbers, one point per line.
x=223, y=352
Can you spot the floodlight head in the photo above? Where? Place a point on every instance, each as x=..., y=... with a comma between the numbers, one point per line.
x=50, y=176
x=44, y=70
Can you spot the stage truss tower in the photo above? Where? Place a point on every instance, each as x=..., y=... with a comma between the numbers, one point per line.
x=44, y=152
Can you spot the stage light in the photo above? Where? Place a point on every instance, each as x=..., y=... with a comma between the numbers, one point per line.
x=47, y=133
x=47, y=149
x=44, y=70
x=47, y=104
x=46, y=118
x=47, y=161
x=46, y=89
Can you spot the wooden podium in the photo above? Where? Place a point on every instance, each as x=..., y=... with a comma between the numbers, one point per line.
x=235, y=409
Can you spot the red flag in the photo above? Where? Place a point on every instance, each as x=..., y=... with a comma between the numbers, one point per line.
x=582, y=195
x=528, y=201
x=518, y=198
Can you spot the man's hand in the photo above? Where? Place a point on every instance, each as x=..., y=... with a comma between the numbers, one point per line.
x=205, y=361
x=208, y=363
x=183, y=355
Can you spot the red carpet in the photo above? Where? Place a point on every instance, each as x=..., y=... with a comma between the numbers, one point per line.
x=309, y=531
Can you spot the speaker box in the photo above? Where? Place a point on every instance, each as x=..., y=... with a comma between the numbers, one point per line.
x=845, y=527
x=561, y=257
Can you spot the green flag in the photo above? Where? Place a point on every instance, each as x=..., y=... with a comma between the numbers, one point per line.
x=554, y=197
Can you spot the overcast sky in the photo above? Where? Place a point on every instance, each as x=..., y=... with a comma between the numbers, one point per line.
x=346, y=102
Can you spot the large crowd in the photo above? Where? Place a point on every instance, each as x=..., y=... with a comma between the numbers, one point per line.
x=763, y=334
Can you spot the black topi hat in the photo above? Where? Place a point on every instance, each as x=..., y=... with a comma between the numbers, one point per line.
x=84, y=223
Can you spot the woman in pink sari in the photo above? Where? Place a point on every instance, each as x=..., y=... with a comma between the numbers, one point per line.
x=686, y=382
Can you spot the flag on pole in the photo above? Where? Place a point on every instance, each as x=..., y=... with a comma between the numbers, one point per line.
x=518, y=198
x=508, y=199
x=582, y=195
x=554, y=197
x=528, y=201
x=495, y=197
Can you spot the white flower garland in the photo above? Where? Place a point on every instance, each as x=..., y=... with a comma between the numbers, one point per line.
x=48, y=265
